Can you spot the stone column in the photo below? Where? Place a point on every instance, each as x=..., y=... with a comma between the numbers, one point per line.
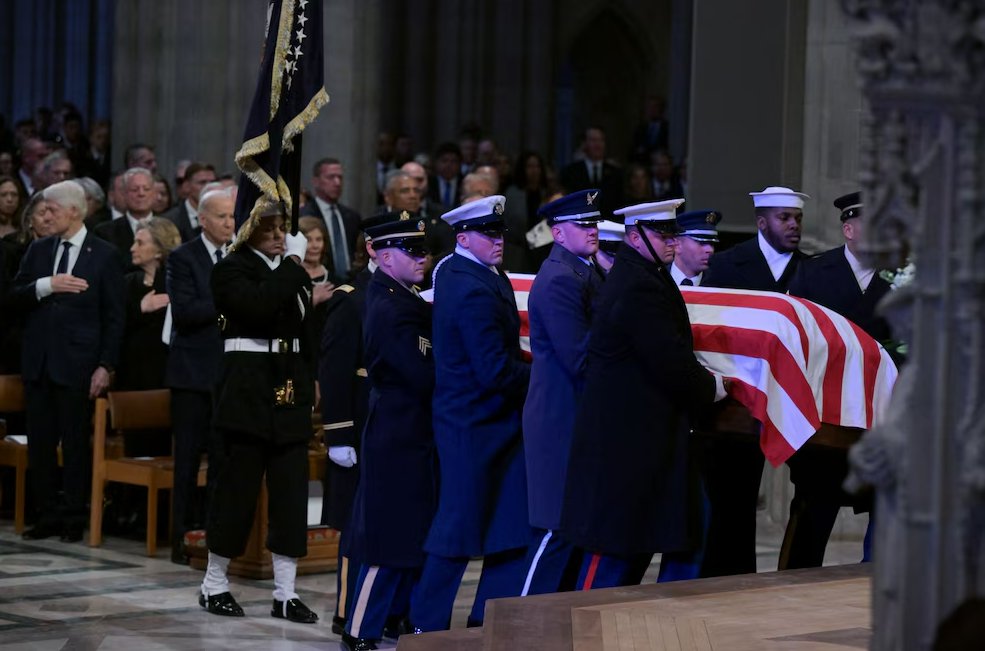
x=922, y=172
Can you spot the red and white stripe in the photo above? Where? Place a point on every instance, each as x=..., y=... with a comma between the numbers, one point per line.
x=794, y=364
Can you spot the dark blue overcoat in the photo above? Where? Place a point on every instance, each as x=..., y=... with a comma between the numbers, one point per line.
x=480, y=384
x=397, y=490
x=560, y=311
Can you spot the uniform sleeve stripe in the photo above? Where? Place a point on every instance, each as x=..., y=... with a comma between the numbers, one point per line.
x=361, y=372
x=346, y=423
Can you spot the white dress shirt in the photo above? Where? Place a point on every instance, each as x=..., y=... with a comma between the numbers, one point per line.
x=679, y=276
x=212, y=248
x=862, y=275
x=42, y=287
x=777, y=261
x=192, y=214
x=465, y=253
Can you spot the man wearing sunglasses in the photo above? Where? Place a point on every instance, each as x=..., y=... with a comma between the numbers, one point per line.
x=630, y=491
x=480, y=384
x=396, y=496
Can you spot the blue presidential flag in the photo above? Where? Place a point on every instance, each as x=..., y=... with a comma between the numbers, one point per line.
x=290, y=92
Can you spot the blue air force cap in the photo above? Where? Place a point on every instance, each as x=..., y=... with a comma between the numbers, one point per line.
x=850, y=205
x=700, y=225
x=484, y=215
x=580, y=207
x=402, y=230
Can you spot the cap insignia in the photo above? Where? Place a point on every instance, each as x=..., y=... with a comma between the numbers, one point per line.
x=591, y=197
x=712, y=218
x=420, y=225
x=404, y=216
x=499, y=209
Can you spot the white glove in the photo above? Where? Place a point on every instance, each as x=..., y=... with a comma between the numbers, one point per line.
x=295, y=245
x=720, y=391
x=343, y=455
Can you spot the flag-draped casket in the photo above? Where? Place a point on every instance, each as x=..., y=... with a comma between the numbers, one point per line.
x=793, y=364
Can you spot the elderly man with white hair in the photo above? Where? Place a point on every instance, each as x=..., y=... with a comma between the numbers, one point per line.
x=138, y=189
x=70, y=287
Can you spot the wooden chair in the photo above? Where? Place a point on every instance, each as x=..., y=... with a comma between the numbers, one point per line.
x=11, y=453
x=122, y=411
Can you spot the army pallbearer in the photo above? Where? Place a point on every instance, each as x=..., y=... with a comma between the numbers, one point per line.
x=480, y=384
x=695, y=245
x=398, y=482
x=560, y=309
x=264, y=398
x=631, y=487
x=837, y=279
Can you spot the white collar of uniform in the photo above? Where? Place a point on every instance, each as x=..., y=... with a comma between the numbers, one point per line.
x=77, y=239
x=116, y=214
x=776, y=260
x=192, y=211
x=372, y=266
x=465, y=253
x=862, y=274
x=134, y=222
x=212, y=248
x=678, y=275
x=273, y=264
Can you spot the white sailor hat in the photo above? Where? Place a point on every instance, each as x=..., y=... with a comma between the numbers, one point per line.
x=610, y=235
x=661, y=215
x=483, y=215
x=777, y=196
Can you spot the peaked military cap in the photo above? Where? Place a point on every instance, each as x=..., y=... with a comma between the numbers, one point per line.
x=581, y=207
x=700, y=225
x=850, y=205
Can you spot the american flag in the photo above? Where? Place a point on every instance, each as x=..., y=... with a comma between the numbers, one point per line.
x=793, y=364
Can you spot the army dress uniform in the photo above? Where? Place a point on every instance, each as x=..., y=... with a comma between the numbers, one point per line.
x=264, y=399
x=560, y=309
x=631, y=488
x=397, y=491
x=480, y=384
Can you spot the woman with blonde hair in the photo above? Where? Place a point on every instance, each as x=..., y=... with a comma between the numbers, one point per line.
x=143, y=355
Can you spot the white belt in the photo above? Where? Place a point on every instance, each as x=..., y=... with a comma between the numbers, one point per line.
x=245, y=345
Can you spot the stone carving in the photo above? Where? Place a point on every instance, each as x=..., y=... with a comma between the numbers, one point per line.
x=922, y=70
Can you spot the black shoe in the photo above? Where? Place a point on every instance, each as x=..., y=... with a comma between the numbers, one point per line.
x=350, y=643
x=220, y=604
x=72, y=533
x=293, y=610
x=40, y=531
x=338, y=625
x=395, y=627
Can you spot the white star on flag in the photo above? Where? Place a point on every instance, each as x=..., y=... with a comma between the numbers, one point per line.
x=297, y=52
x=301, y=36
x=302, y=19
x=303, y=3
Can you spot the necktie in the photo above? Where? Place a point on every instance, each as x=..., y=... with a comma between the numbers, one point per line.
x=340, y=255
x=218, y=255
x=446, y=193
x=63, y=262
x=597, y=171
x=687, y=282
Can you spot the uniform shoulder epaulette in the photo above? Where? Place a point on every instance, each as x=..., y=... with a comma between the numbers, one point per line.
x=348, y=289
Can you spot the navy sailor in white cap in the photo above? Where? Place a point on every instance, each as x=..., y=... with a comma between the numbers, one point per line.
x=631, y=488
x=480, y=384
x=733, y=467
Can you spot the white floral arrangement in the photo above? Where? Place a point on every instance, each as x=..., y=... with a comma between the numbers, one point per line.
x=901, y=277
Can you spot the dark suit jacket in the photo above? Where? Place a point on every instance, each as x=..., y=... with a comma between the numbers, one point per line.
x=258, y=302
x=143, y=355
x=193, y=361
x=179, y=217
x=480, y=384
x=828, y=279
x=744, y=267
x=630, y=488
x=434, y=192
x=71, y=334
x=118, y=233
x=560, y=309
x=397, y=490
x=351, y=221
x=575, y=177
x=98, y=217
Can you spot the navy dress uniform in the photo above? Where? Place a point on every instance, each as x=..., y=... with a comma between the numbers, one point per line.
x=837, y=280
x=397, y=491
x=480, y=384
x=631, y=490
x=264, y=399
x=701, y=226
x=733, y=465
x=560, y=310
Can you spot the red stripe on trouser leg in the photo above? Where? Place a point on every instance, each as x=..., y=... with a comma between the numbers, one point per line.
x=590, y=574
